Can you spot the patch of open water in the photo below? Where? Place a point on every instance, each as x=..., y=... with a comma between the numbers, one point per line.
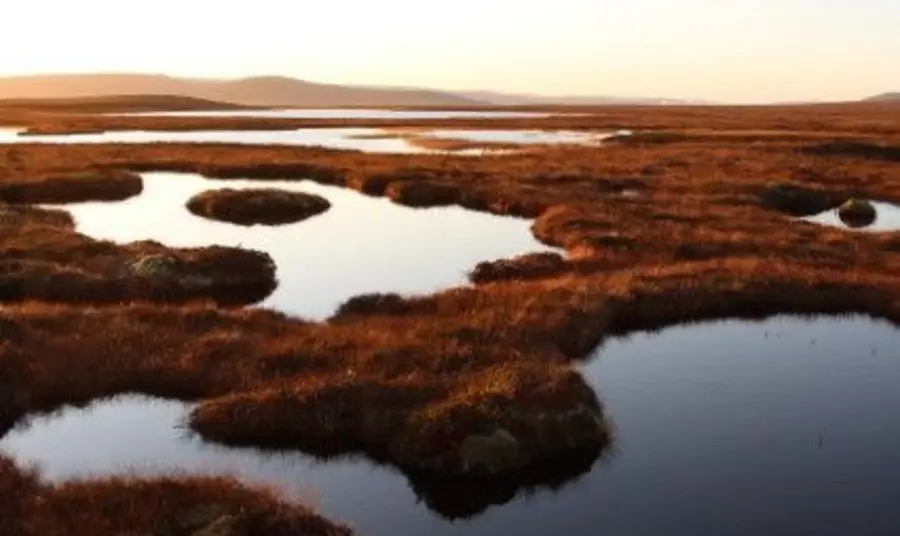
x=521, y=137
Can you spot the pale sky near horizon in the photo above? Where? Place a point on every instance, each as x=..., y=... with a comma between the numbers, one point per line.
x=730, y=50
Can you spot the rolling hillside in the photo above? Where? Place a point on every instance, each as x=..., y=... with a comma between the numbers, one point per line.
x=258, y=91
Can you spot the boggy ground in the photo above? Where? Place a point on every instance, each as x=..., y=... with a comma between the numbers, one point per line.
x=267, y=206
x=42, y=257
x=183, y=506
x=659, y=228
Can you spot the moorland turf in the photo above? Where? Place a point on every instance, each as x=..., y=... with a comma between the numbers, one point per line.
x=693, y=221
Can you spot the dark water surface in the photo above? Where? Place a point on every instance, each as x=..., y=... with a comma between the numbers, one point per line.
x=787, y=426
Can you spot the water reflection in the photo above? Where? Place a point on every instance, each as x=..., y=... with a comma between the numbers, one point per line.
x=522, y=137
x=360, y=245
x=356, y=139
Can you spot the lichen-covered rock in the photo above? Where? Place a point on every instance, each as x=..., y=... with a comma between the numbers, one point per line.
x=157, y=265
x=857, y=213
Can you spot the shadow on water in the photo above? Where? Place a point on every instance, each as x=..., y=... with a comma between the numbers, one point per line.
x=147, y=437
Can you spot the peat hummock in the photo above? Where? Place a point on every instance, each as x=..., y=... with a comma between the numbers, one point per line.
x=266, y=206
x=42, y=257
x=70, y=187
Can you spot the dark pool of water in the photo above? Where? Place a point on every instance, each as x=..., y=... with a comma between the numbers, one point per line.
x=781, y=427
x=887, y=218
x=361, y=245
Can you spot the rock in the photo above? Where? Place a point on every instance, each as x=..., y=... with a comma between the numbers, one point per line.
x=492, y=453
x=155, y=266
x=796, y=200
x=857, y=213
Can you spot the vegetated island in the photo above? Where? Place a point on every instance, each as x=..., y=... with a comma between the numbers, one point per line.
x=257, y=206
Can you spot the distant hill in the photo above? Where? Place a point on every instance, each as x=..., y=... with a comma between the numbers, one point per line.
x=520, y=99
x=117, y=103
x=885, y=97
x=258, y=91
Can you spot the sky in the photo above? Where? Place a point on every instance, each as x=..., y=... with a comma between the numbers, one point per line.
x=725, y=50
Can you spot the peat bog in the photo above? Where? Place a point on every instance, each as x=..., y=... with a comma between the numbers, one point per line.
x=488, y=387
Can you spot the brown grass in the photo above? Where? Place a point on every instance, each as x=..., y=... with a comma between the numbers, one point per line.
x=266, y=206
x=407, y=381
x=43, y=258
x=82, y=186
x=173, y=506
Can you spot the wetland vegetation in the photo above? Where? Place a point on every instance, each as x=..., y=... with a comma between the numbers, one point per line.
x=474, y=393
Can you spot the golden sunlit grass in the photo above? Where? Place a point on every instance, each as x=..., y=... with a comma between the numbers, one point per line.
x=691, y=224
x=267, y=206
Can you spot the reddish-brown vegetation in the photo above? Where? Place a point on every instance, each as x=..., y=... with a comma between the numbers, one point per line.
x=529, y=266
x=43, y=258
x=101, y=185
x=266, y=206
x=414, y=382
x=174, y=506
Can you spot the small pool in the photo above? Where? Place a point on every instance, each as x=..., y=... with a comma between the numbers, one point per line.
x=362, y=244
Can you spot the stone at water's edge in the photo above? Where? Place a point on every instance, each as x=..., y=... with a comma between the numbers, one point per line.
x=155, y=266
x=857, y=213
x=531, y=439
x=489, y=452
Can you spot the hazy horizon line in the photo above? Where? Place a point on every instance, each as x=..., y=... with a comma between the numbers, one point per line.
x=462, y=92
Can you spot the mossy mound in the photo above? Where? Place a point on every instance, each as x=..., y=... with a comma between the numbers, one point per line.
x=257, y=206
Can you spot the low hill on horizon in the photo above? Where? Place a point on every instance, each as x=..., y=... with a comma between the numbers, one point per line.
x=117, y=104
x=892, y=96
x=522, y=99
x=270, y=91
